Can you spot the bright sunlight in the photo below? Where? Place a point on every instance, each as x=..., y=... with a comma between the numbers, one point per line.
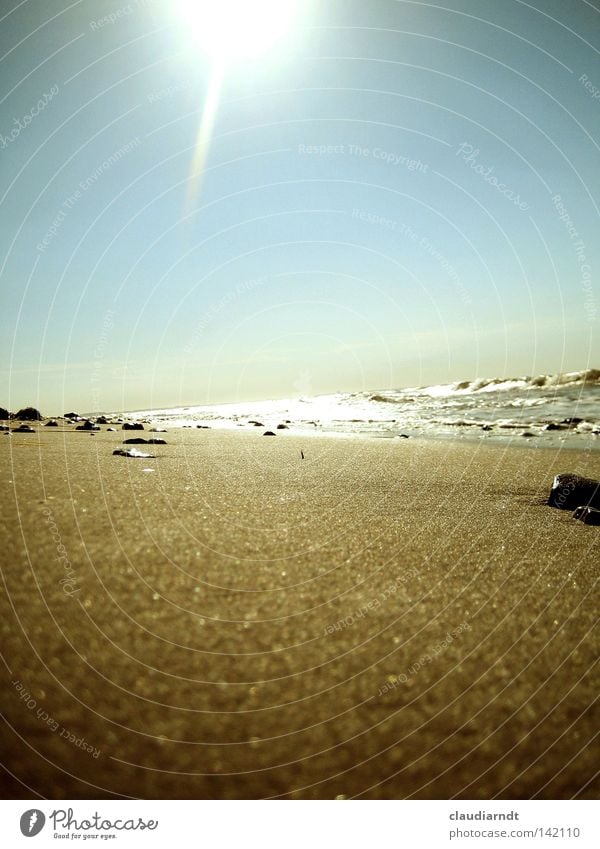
x=233, y=30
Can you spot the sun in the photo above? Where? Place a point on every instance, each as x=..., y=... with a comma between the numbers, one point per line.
x=234, y=30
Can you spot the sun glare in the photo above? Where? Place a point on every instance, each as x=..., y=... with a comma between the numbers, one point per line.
x=232, y=30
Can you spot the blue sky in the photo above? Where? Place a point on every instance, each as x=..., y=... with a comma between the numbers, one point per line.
x=397, y=194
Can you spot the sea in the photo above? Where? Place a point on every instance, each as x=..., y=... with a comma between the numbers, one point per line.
x=546, y=410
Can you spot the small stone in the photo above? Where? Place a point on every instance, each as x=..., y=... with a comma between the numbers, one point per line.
x=587, y=515
x=24, y=428
x=51, y=423
x=88, y=425
x=132, y=426
x=282, y=427
x=268, y=433
x=570, y=491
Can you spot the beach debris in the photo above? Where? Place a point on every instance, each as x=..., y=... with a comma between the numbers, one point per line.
x=587, y=515
x=403, y=436
x=132, y=452
x=282, y=427
x=139, y=440
x=29, y=414
x=268, y=433
x=88, y=425
x=132, y=426
x=24, y=428
x=301, y=454
x=51, y=423
x=570, y=491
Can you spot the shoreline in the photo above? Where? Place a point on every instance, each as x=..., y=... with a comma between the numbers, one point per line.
x=534, y=442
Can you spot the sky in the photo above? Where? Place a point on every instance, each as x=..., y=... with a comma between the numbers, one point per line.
x=393, y=194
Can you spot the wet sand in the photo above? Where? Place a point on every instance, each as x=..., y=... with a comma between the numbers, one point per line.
x=383, y=619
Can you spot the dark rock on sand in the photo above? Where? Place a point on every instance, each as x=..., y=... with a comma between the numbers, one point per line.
x=131, y=452
x=572, y=421
x=29, y=414
x=102, y=420
x=139, y=440
x=111, y=429
x=4, y=415
x=75, y=416
x=587, y=515
x=88, y=425
x=4, y=427
x=268, y=433
x=51, y=423
x=570, y=491
x=282, y=427
x=256, y=424
x=133, y=426
x=203, y=427
x=24, y=428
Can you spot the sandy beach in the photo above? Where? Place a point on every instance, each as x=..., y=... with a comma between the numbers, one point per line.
x=381, y=619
